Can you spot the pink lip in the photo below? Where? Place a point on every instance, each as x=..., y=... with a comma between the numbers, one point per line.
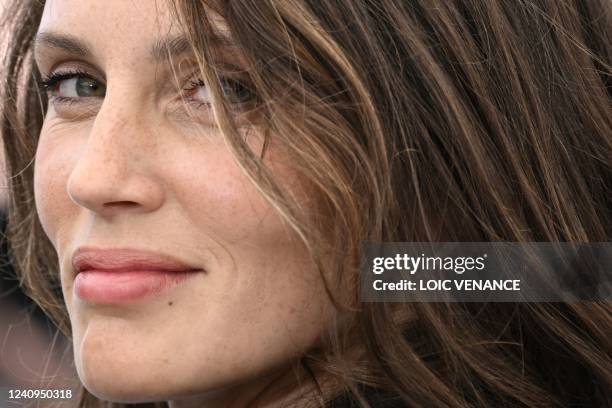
x=115, y=276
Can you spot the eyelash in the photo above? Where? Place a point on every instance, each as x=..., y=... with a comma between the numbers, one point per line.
x=192, y=86
x=50, y=81
x=53, y=78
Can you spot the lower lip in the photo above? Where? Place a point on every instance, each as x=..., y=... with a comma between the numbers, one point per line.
x=104, y=287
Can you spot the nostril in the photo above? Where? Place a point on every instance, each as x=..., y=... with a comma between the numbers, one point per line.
x=120, y=204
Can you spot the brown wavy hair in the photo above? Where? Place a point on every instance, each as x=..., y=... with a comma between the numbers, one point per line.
x=421, y=120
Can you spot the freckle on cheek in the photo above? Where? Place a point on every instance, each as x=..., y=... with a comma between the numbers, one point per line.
x=170, y=303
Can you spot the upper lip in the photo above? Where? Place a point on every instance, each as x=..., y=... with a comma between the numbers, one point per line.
x=126, y=259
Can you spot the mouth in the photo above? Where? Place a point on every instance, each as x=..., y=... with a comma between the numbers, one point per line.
x=124, y=275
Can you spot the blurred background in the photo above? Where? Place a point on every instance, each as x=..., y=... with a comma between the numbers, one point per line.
x=33, y=354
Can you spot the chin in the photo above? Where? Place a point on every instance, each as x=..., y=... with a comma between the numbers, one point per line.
x=121, y=368
x=118, y=369
x=115, y=379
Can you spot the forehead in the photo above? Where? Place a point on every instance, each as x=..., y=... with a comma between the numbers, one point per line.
x=118, y=27
x=108, y=24
x=125, y=30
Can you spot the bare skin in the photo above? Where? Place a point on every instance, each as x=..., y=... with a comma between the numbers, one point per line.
x=128, y=167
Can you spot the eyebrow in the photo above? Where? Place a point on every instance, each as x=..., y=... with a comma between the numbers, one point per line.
x=63, y=42
x=170, y=45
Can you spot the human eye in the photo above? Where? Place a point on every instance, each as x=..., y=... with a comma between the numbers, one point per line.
x=70, y=87
x=236, y=91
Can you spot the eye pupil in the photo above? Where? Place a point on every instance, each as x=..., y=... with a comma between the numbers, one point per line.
x=88, y=87
x=237, y=92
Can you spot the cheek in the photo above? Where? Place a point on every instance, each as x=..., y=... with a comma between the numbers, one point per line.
x=51, y=171
x=220, y=199
x=262, y=284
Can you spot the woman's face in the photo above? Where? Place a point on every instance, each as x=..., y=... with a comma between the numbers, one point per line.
x=120, y=165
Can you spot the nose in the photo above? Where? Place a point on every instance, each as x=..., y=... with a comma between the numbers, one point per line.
x=114, y=171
